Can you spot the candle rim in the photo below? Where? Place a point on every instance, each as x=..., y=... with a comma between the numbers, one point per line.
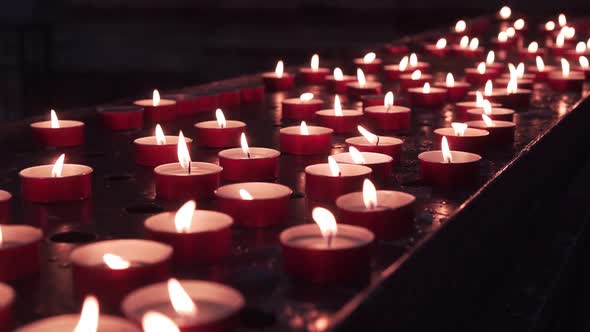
x=390, y=109
x=63, y=124
x=435, y=157
x=383, y=141
x=164, y=222
x=91, y=255
x=239, y=154
x=362, y=62
x=420, y=65
x=60, y=322
x=119, y=109
x=360, y=170
x=165, y=169
x=228, y=191
x=5, y=195
x=25, y=173
x=495, y=110
x=497, y=124
x=342, y=158
x=384, y=198
x=473, y=132
x=24, y=235
x=296, y=131
x=150, y=103
x=310, y=70
x=345, y=112
x=296, y=100
x=230, y=124
x=7, y=295
x=364, y=236
x=170, y=140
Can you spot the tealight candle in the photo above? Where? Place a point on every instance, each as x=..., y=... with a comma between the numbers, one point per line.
x=5, y=202
x=158, y=149
x=406, y=65
x=387, y=116
x=121, y=117
x=414, y=80
x=158, y=109
x=56, y=183
x=566, y=80
x=584, y=67
x=341, y=121
x=192, y=305
x=580, y=50
x=501, y=132
x=380, y=164
x=314, y=74
x=7, y=296
x=186, y=179
x=328, y=253
x=386, y=213
x=370, y=64
x=446, y=168
x=559, y=47
x=492, y=65
x=278, y=80
x=532, y=51
x=540, y=71
x=523, y=80
x=302, y=108
x=111, y=269
x=188, y=104
x=220, y=133
x=468, y=48
x=254, y=204
x=377, y=100
x=306, y=140
x=480, y=75
x=249, y=164
x=463, y=106
x=370, y=142
x=502, y=42
x=326, y=182
x=494, y=113
x=360, y=88
x=456, y=90
x=58, y=133
x=197, y=237
x=512, y=96
x=525, y=83
x=427, y=96
x=337, y=82
x=439, y=48
x=19, y=251
x=462, y=138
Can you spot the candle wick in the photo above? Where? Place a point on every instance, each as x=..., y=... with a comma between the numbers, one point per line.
x=339, y=173
x=248, y=154
x=189, y=167
x=377, y=141
x=388, y=108
x=329, y=240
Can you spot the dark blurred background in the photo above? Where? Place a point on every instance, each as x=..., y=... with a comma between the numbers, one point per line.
x=71, y=53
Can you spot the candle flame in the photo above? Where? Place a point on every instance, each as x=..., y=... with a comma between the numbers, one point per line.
x=426, y=88
x=533, y=47
x=244, y=145
x=584, y=62
x=441, y=43
x=245, y=195
x=446, y=151
x=403, y=63
x=369, y=57
x=487, y=107
x=1, y=236
x=155, y=98
x=388, y=100
x=588, y=43
x=279, y=69
x=413, y=60
x=565, y=67
x=481, y=68
x=326, y=222
x=510, y=32
x=519, y=24
x=305, y=97
x=182, y=303
x=338, y=75
x=520, y=70
x=460, y=26
x=416, y=75
x=337, y=106
x=450, y=81
x=487, y=120
x=154, y=321
x=569, y=32
x=360, y=76
x=369, y=194
x=511, y=69
x=512, y=86
x=464, y=42
x=58, y=167
x=334, y=168
x=89, y=316
x=474, y=44
x=562, y=20
x=502, y=36
x=54, y=120
x=160, y=137
x=488, y=88
x=356, y=155
x=550, y=26
x=303, y=128
x=580, y=47
x=184, y=157
x=560, y=40
x=490, y=58
x=371, y=138
x=183, y=218
x=221, y=122
x=315, y=62
x=115, y=262
x=459, y=128
x=540, y=63
x=505, y=12
x=478, y=98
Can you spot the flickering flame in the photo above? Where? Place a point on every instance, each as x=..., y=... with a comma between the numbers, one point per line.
x=550, y=26
x=303, y=128
x=305, y=97
x=474, y=43
x=89, y=316
x=370, y=137
x=315, y=62
x=580, y=47
x=584, y=62
x=540, y=63
x=426, y=88
x=460, y=26
x=560, y=40
x=220, y=118
x=450, y=81
x=184, y=157
x=369, y=194
x=338, y=75
x=511, y=69
x=510, y=32
x=487, y=120
x=54, y=120
x=245, y=195
x=502, y=36
x=182, y=303
x=337, y=106
x=369, y=57
x=416, y=75
x=505, y=12
x=334, y=168
x=569, y=32
x=403, y=63
x=562, y=20
x=565, y=67
x=512, y=86
x=279, y=69
x=244, y=145
x=356, y=155
x=160, y=137
x=58, y=166
x=478, y=99
x=155, y=98
x=183, y=218
x=446, y=151
x=360, y=76
x=154, y=321
x=588, y=43
x=533, y=47
x=459, y=128
x=488, y=89
x=481, y=68
x=388, y=100
x=519, y=24
x=1, y=236
x=441, y=43
x=327, y=223
x=520, y=70
x=487, y=107
x=413, y=60
x=490, y=58
x=115, y=262
x=464, y=42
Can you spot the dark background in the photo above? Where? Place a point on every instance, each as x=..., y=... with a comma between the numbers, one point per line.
x=71, y=53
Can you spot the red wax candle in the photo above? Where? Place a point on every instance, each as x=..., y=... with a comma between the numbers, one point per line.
x=59, y=133
x=390, y=146
x=116, y=117
x=394, y=72
x=456, y=91
x=157, y=109
x=111, y=269
x=360, y=88
x=495, y=113
x=414, y=80
x=462, y=171
x=474, y=52
x=369, y=64
x=464, y=139
x=464, y=106
x=502, y=42
x=314, y=74
x=439, y=48
x=574, y=81
x=19, y=252
x=157, y=150
x=501, y=132
x=541, y=73
x=337, y=82
x=278, y=80
x=56, y=183
x=220, y=133
x=380, y=164
x=388, y=118
x=532, y=51
x=197, y=237
x=249, y=164
x=7, y=296
x=175, y=181
x=5, y=202
x=255, y=204
x=377, y=100
x=396, y=48
x=326, y=182
x=427, y=96
x=480, y=75
x=306, y=140
x=341, y=121
x=302, y=108
x=574, y=55
x=558, y=49
x=525, y=83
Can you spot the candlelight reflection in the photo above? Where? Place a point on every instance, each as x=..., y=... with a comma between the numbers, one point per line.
x=315, y=62
x=450, y=80
x=371, y=138
x=441, y=43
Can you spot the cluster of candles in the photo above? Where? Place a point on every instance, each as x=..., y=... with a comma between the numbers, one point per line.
x=134, y=274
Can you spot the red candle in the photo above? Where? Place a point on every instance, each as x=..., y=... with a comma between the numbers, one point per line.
x=541, y=71
x=462, y=138
x=380, y=164
x=7, y=296
x=580, y=50
x=19, y=251
x=559, y=48
x=584, y=67
x=197, y=237
x=525, y=83
x=532, y=51
x=387, y=116
x=157, y=109
x=189, y=305
x=511, y=97
x=58, y=133
x=387, y=214
x=360, y=88
x=278, y=80
x=111, y=269
x=56, y=183
x=501, y=132
x=427, y=96
x=463, y=106
x=254, y=204
x=370, y=142
x=314, y=74
x=492, y=65
x=328, y=253
x=494, y=113
x=480, y=75
x=302, y=108
x=566, y=80
x=406, y=65
x=456, y=91
x=446, y=168
x=249, y=164
x=502, y=42
x=306, y=140
x=414, y=80
x=369, y=64
x=5, y=202
x=341, y=121
x=468, y=48
x=326, y=182
x=116, y=117
x=337, y=82
x=157, y=150
x=220, y=133
x=439, y=48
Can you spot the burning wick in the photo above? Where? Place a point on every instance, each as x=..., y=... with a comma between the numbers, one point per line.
x=279, y=69
x=360, y=76
x=369, y=57
x=154, y=321
x=155, y=98
x=89, y=315
x=182, y=303
x=441, y=43
x=488, y=121
x=315, y=62
x=338, y=75
x=327, y=223
x=490, y=58
x=160, y=137
x=115, y=262
x=450, y=81
x=184, y=216
x=244, y=144
x=221, y=122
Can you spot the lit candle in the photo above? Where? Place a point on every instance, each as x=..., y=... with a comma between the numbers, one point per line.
x=58, y=133
x=414, y=80
x=306, y=140
x=463, y=106
x=540, y=70
x=219, y=133
x=462, y=138
x=519, y=25
x=532, y=51
x=580, y=50
x=5, y=206
x=341, y=121
x=492, y=65
x=369, y=64
x=523, y=80
x=314, y=74
x=361, y=87
x=502, y=42
x=388, y=116
x=460, y=27
x=369, y=142
x=20, y=247
x=158, y=109
x=153, y=321
x=584, y=66
x=504, y=13
x=559, y=47
x=278, y=80
x=7, y=296
x=249, y=163
x=302, y=108
x=494, y=113
x=501, y=132
x=121, y=117
x=456, y=90
x=158, y=149
x=480, y=74
x=427, y=96
x=439, y=48
x=407, y=64
x=337, y=81
x=380, y=164
x=468, y=47
x=566, y=80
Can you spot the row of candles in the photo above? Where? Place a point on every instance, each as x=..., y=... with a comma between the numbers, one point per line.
x=135, y=272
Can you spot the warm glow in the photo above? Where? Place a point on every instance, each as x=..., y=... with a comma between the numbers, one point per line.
x=519, y=24
x=441, y=43
x=487, y=120
x=478, y=99
x=562, y=20
x=491, y=57
x=58, y=166
x=115, y=262
x=89, y=316
x=1, y=237
x=184, y=157
x=446, y=151
x=334, y=168
x=560, y=40
x=54, y=120
x=533, y=47
x=481, y=68
x=487, y=107
x=245, y=195
x=303, y=128
x=474, y=43
x=220, y=118
x=565, y=67
x=460, y=26
x=160, y=137
x=413, y=60
x=279, y=69
x=356, y=155
x=184, y=217
x=371, y=138
x=459, y=128
x=244, y=145
x=369, y=57
x=155, y=98
x=502, y=37
x=154, y=321
x=588, y=43
x=182, y=303
x=388, y=100
x=360, y=76
x=505, y=12
x=315, y=62
x=416, y=75
x=337, y=106
x=403, y=63
x=338, y=75
x=327, y=223
x=584, y=62
x=426, y=88
x=488, y=89
x=464, y=42
x=512, y=86
x=369, y=194
x=520, y=70
x=450, y=81
x=540, y=63
x=580, y=47
x=305, y=97
x=569, y=32
x=550, y=26
x=510, y=32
